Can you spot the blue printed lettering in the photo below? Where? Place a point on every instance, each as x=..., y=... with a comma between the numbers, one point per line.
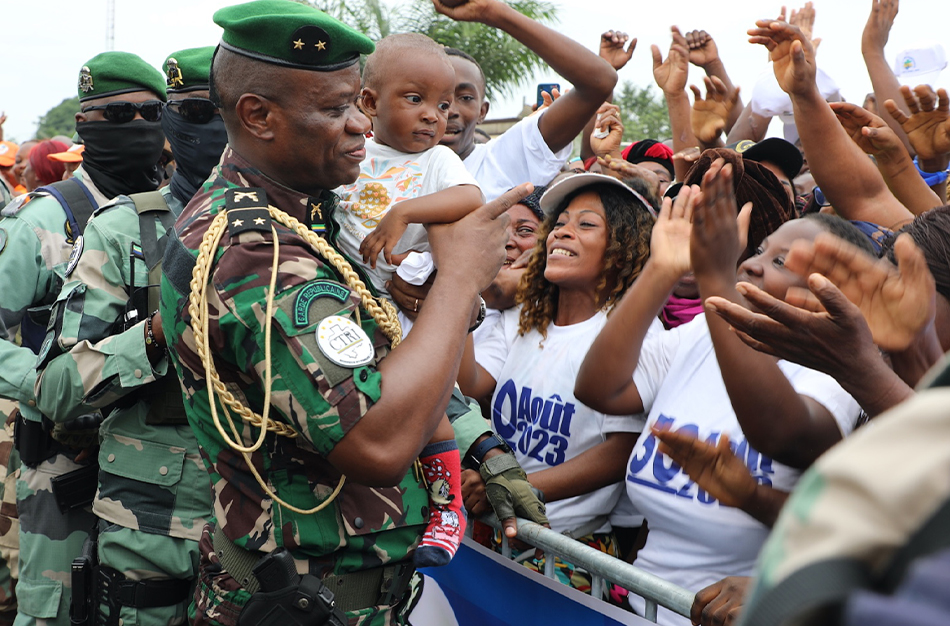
x=566, y=421
x=556, y=456
x=536, y=404
x=524, y=405
x=506, y=396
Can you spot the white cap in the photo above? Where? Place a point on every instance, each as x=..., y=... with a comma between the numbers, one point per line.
x=768, y=98
x=921, y=65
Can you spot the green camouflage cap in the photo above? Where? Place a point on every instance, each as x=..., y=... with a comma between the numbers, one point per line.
x=112, y=73
x=290, y=34
x=188, y=70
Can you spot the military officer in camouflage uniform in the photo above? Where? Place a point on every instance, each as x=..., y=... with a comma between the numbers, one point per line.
x=308, y=422
x=153, y=495
x=39, y=237
x=9, y=519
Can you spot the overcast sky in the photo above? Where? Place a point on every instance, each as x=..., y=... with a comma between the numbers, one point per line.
x=48, y=41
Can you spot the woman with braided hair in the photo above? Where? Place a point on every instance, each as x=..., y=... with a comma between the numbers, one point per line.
x=593, y=242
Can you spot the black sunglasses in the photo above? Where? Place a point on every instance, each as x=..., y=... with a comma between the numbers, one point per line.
x=195, y=110
x=122, y=112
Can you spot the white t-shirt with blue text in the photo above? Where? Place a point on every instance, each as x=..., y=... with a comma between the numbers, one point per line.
x=693, y=541
x=534, y=409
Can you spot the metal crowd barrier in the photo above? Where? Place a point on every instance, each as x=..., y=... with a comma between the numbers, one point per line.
x=654, y=590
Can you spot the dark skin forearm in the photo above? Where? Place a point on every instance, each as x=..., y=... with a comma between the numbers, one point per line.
x=592, y=76
x=418, y=378
x=748, y=125
x=779, y=422
x=677, y=104
x=911, y=364
x=765, y=505
x=862, y=194
x=885, y=87
x=605, y=381
x=602, y=465
x=905, y=182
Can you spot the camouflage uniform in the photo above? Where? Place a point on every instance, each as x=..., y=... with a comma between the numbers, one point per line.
x=364, y=527
x=38, y=244
x=9, y=520
x=153, y=497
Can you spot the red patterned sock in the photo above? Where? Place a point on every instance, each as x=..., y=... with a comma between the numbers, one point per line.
x=443, y=469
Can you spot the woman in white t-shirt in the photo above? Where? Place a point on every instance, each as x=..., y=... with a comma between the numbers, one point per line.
x=701, y=379
x=592, y=245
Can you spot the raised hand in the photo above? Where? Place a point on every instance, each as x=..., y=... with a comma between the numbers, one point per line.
x=612, y=48
x=867, y=130
x=792, y=55
x=669, y=241
x=622, y=168
x=608, y=130
x=878, y=27
x=547, y=99
x=710, y=115
x=928, y=126
x=671, y=74
x=804, y=18
x=897, y=304
x=714, y=468
x=702, y=48
x=715, y=241
x=464, y=10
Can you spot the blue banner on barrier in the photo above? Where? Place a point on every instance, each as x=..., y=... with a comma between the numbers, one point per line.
x=485, y=589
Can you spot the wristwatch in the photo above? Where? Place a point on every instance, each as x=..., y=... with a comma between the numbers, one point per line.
x=477, y=453
x=482, y=310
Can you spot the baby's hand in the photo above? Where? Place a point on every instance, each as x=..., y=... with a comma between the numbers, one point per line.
x=383, y=238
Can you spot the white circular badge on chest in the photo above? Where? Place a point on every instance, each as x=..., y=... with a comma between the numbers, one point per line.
x=344, y=342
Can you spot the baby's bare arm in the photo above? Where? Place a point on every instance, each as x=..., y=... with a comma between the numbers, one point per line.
x=441, y=207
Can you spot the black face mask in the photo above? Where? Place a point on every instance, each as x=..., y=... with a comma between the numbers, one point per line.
x=122, y=158
x=197, y=149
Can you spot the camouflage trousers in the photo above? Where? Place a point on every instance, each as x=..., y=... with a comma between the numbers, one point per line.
x=219, y=599
x=9, y=526
x=146, y=556
x=49, y=541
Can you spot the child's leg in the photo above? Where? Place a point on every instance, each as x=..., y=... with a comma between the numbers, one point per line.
x=443, y=469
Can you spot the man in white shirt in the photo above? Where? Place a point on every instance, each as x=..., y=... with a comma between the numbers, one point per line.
x=536, y=147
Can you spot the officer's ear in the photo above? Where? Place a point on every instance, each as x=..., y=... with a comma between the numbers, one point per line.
x=257, y=115
x=368, y=101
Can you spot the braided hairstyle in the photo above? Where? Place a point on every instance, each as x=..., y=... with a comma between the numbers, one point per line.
x=629, y=225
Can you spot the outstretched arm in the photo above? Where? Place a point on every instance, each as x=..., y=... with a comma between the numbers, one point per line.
x=602, y=465
x=441, y=207
x=592, y=77
x=670, y=76
x=885, y=85
x=605, y=380
x=827, y=146
x=779, y=422
x=876, y=138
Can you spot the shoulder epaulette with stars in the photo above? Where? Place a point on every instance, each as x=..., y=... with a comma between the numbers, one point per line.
x=247, y=210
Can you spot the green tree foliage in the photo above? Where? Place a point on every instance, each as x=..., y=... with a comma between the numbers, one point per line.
x=643, y=113
x=507, y=64
x=60, y=120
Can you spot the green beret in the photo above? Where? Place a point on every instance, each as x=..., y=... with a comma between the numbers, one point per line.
x=112, y=73
x=188, y=70
x=290, y=34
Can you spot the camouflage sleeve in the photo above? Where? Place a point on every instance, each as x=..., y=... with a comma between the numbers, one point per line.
x=24, y=275
x=320, y=399
x=87, y=364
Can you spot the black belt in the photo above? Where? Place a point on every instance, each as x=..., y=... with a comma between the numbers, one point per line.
x=378, y=586
x=141, y=594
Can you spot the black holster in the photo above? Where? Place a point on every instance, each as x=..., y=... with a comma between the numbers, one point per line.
x=82, y=607
x=287, y=598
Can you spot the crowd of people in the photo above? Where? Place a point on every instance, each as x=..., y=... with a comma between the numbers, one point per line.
x=276, y=331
